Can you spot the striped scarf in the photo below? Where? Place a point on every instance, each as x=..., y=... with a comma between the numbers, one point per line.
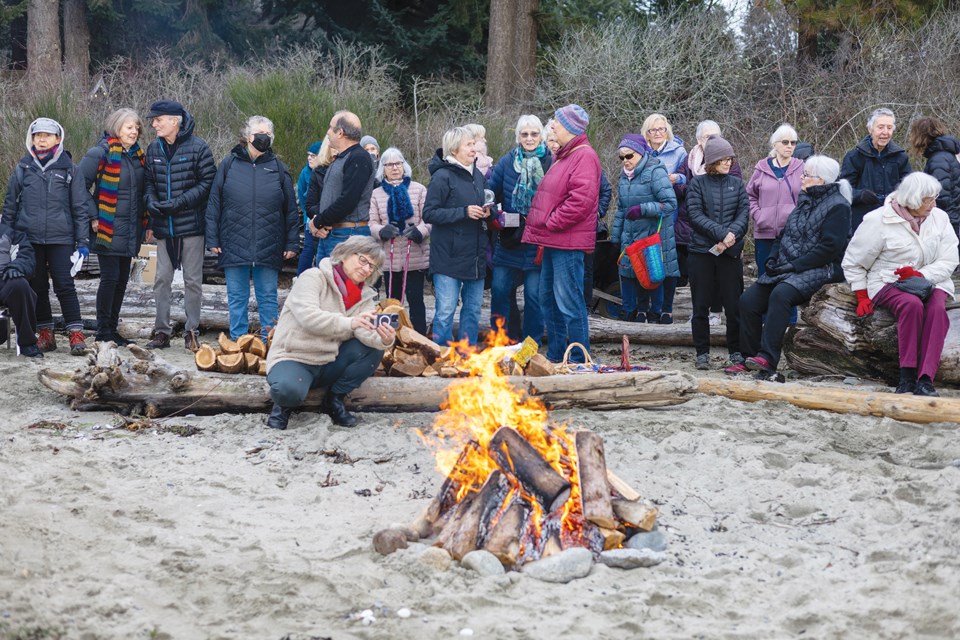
x=107, y=187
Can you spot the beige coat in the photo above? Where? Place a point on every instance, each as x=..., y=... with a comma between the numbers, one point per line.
x=419, y=253
x=314, y=322
x=884, y=242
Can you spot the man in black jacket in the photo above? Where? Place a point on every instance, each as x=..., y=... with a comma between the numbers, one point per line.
x=179, y=175
x=16, y=265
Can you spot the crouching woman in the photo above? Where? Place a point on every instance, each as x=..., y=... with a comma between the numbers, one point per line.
x=327, y=335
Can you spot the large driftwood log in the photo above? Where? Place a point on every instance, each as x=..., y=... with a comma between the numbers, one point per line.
x=837, y=342
x=669, y=335
x=166, y=389
x=519, y=461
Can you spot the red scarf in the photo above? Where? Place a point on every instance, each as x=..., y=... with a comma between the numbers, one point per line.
x=351, y=291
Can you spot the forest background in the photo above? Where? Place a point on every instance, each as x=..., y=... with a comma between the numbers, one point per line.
x=413, y=69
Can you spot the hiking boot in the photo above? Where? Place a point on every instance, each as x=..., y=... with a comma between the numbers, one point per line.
x=703, y=361
x=333, y=406
x=769, y=376
x=31, y=351
x=159, y=340
x=666, y=318
x=78, y=343
x=191, y=341
x=906, y=386
x=736, y=369
x=120, y=340
x=46, y=340
x=758, y=363
x=279, y=417
x=925, y=388
x=735, y=358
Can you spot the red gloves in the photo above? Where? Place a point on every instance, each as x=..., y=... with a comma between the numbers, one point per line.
x=907, y=272
x=864, y=304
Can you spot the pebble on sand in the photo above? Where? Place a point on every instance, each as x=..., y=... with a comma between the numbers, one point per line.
x=632, y=558
x=565, y=566
x=436, y=558
x=483, y=562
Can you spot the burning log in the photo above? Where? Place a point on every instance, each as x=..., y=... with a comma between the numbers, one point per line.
x=502, y=536
x=521, y=462
x=446, y=498
x=594, y=487
x=460, y=535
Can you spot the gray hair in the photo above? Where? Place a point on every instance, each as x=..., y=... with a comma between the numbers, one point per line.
x=454, y=138
x=254, y=122
x=350, y=130
x=703, y=126
x=392, y=154
x=777, y=136
x=547, y=129
x=529, y=120
x=879, y=113
x=119, y=118
x=827, y=169
x=915, y=187
x=360, y=245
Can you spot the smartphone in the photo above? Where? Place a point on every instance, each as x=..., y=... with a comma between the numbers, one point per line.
x=392, y=319
x=716, y=250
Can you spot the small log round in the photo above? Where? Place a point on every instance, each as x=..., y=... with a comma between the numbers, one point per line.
x=257, y=348
x=206, y=358
x=230, y=362
x=227, y=345
x=244, y=342
x=251, y=362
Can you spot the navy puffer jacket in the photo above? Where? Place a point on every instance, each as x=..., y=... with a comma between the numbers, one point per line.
x=870, y=170
x=128, y=223
x=252, y=213
x=943, y=165
x=458, y=243
x=183, y=174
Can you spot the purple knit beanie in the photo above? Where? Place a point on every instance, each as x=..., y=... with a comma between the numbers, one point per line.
x=573, y=118
x=636, y=142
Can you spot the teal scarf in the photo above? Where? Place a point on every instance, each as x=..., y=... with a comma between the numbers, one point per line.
x=529, y=174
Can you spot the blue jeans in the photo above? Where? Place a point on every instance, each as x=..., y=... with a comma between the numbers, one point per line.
x=325, y=246
x=238, y=297
x=561, y=299
x=448, y=292
x=505, y=280
x=309, y=253
x=762, y=249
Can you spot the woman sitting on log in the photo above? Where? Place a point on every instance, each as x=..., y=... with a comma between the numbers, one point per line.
x=805, y=256
x=327, y=335
x=901, y=258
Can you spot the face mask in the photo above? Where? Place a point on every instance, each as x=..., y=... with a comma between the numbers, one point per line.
x=261, y=142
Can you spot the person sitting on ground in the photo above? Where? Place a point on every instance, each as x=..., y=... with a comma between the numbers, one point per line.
x=805, y=256
x=396, y=219
x=327, y=335
x=16, y=266
x=901, y=258
x=54, y=211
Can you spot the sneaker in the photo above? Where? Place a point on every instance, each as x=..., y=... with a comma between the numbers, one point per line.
x=703, y=361
x=769, y=376
x=666, y=318
x=31, y=351
x=46, y=341
x=653, y=317
x=736, y=369
x=715, y=319
x=758, y=363
x=925, y=388
x=736, y=358
x=78, y=343
x=159, y=340
x=191, y=341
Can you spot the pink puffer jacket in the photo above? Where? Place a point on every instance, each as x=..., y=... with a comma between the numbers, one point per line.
x=419, y=253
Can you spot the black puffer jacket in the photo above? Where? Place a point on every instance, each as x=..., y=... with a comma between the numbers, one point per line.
x=51, y=205
x=182, y=174
x=870, y=170
x=128, y=222
x=717, y=205
x=26, y=260
x=252, y=212
x=943, y=165
x=813, y=240
x=458, y=244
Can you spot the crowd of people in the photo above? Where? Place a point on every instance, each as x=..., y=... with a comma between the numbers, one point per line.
x=530, y=219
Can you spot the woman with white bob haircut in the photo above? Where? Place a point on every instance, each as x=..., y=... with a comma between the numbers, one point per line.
x=901, y=257
x=396, y=219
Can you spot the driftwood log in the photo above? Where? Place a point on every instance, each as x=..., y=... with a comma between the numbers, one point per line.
x=150, y=385
x=836, y=342
x=524, y=465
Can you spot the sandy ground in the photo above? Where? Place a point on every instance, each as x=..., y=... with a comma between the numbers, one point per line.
x=781, y=523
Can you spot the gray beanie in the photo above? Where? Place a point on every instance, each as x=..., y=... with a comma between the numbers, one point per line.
x=716, y=148
x=365, y=140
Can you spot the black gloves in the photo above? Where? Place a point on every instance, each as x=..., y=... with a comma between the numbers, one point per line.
x=773, y=269
x=161, y=208
x=413, y=234
x=869, y=197
x=12, y=272
x=389, y=232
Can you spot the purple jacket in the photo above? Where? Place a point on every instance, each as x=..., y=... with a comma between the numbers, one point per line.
x=772, y=199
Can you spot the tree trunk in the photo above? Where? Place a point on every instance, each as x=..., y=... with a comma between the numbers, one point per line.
x=18, y=40
x=511, y=53
x=76, y=40
x=43, y=42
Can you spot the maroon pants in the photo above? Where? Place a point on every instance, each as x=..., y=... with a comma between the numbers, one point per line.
x=921, y=327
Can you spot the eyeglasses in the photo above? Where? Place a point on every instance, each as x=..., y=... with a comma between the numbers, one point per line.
x=788, y=143
x=810, y=177
x=392, y=165
x=656, y=130
x=928, y=200
x=725, y=160
x=366, y=264
x=626, y=156
x=529, y=134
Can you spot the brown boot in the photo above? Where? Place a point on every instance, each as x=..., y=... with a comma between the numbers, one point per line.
x=159, y=340
x=46, y=340
x=191, y=340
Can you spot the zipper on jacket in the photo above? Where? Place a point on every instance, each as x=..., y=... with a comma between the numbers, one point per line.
x=163, y=147
x=253, y=200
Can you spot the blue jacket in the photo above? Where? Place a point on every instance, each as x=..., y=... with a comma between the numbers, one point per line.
x=502, y=182
x=673, y=156
x=303, y=186
x=651, y=189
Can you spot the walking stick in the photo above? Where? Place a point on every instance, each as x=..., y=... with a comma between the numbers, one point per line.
x=390, y=271
x=406, y=265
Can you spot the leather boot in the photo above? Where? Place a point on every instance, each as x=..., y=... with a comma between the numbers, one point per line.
x=333, y=406
x=279, y=417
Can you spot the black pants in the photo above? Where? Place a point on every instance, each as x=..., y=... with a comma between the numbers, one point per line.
x=291, y=381
x=114, y=274
x=413, y=296
x=20, y=300
x=53, y=262
x=775, y=300
x=714, y=277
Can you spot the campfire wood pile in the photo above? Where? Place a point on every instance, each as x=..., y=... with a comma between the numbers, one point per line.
x=248, y=354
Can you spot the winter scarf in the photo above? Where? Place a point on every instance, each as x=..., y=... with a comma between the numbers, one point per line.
x=914, y=221
x=350, y=290
x=109, y=172
x=695, y=161
x=399, y=207
x=43, y=157
x=530, y=173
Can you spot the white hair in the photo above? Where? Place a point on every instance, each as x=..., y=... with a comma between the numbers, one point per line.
x=454, y=138
x=254, y=122
x=529, y=121
x=915, y=187
x=778, y=135
x=651, y=120
x=880, y=113
x=392, y=154
x=827, y=169
x=704, y=125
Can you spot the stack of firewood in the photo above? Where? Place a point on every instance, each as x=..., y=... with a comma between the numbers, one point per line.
x=248, y=354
